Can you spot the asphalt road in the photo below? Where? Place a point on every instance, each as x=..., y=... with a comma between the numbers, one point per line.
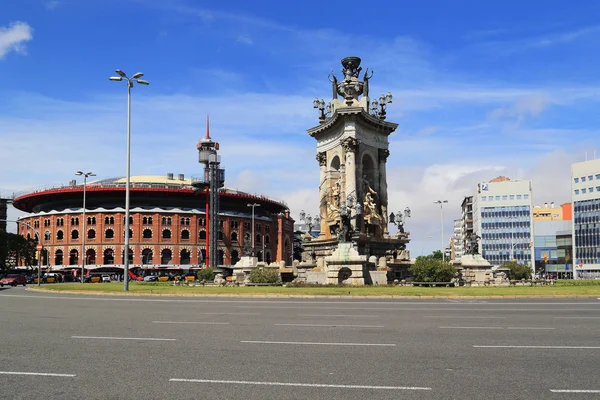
x=57, y=346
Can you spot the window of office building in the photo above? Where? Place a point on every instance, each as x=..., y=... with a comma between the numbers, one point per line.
x=586, y=221
x=583, y=179
x=576, y=180
x=519, y=197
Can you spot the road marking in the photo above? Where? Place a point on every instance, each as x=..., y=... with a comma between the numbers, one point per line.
x=319, y=343
x=227, y=313
x=333, y=326
x=190, y=322
x=538, y=347
x=574, y=391
x=338, y=315
x=121, y=338
x=318, y=385
x=576, y=317
x=37, y=374
x=459, y=317
x=470, y=327
x=495, y=327
x=529, y=327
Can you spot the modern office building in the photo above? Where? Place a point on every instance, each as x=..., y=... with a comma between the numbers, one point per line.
x=585, y=195
x=553, y=248
x=502, y=217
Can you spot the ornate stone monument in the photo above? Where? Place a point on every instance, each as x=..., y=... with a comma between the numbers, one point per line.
x=474, y=269
x=352, y=151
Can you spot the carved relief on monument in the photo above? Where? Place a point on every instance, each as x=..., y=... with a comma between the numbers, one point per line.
x=322, y=159
x=350, y=144
x=383, y=155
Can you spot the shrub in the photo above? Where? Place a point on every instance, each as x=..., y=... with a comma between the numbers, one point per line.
x=432, y=270
x=206, y=274
x=517, y=271
x=264, y=275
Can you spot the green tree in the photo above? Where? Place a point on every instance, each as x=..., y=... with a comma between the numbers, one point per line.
x=517, y=271
x=264, y=275
x=206, y=274
x=429, y=269
x=436, y=255
x=16, y=248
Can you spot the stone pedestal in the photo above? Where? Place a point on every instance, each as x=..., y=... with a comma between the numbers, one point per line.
x=316, y=277
x=378, y=277
x=243, y=267
x=476, y=270
x=346, y=266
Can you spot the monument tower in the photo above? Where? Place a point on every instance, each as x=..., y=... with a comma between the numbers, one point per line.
x=352, y=151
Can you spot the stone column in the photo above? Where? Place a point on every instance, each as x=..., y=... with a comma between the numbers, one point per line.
x=322, y=160
x=383, y=155
x=350, y=145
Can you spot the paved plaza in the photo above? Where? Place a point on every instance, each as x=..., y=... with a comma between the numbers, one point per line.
x=77, y=346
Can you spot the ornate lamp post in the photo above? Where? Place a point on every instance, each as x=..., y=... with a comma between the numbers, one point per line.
x=378, y=108
x=83, y=232
x=399, y=218
x=135, y=78
x=325, y=110
x=308, y=219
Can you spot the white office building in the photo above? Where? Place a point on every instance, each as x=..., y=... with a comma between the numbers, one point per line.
x=585, y=195
x=503, y=218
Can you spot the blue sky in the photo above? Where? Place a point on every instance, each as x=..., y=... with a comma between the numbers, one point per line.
x=481, y=88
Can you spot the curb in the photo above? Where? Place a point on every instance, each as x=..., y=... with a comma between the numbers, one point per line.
x=305, y=296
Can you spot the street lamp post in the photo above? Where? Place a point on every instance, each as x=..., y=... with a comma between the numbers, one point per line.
x=39, y=241
x=135, y=78
x=253, y=205
x=83, y=233
x=441, y=203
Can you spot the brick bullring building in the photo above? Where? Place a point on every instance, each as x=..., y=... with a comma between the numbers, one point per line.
x=168, y=224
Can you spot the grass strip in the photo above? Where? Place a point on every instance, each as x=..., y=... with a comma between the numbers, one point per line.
x=591, y=289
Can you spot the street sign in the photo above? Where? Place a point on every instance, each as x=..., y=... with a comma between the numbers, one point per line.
x=39, y=247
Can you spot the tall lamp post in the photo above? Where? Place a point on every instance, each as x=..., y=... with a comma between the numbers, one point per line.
x=83, y=232
x=135, y=78
x=441, y=203
x=253, y=205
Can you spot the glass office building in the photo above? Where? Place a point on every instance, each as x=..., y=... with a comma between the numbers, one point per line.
x=506, y=234
x=503, y=218
x=585, y=193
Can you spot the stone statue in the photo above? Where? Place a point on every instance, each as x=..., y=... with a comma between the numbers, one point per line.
x=247, y=247
x=344, y=233
x=334, y=84
x=473, y=242
x=366, y=78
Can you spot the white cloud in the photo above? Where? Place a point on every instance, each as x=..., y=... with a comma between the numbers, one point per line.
x=13, y=38
x=51, y=5
x=244, y=39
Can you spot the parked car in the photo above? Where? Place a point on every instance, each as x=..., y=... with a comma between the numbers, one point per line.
x=13, y=280
x=105, y=278
x=150, y=278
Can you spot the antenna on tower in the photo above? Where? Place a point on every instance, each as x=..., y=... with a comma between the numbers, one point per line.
x=207, y=126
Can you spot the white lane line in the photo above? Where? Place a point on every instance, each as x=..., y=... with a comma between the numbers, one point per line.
x=333, y=326
x=529, y=327
x=227, y=313
x=121, y=338
x=317, y=385
x=190, y=322
x=470, y=327
x=576, y=317
x=495, y=327
x=459, y=317
x=574, y=391
x=338, y=315
x=538, y=347
x=37, y=374
x=319, y=343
